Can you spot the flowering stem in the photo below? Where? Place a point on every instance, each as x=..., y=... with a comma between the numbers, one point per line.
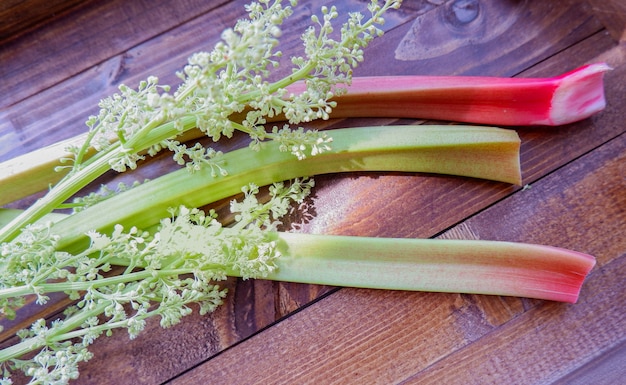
x=81, y=286
x=51, y=201
x=35, y=343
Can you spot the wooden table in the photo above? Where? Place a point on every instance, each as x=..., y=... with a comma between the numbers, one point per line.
x=54, y=69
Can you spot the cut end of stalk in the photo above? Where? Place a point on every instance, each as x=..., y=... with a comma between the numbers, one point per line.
x=579, y=94
x=564, y=283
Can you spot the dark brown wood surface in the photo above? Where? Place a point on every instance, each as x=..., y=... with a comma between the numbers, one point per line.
x=18, y=17
x=53, y=75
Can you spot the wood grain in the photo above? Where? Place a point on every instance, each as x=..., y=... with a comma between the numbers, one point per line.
x=30, y=63
x=538, y=31
x=18, y=17
x=560, y=340
x=605, y=369
x=612, y=14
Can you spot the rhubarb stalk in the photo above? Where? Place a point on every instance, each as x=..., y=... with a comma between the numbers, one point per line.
x=481, y=152
x=436, y=265
x=559, y=100
x=452, y=266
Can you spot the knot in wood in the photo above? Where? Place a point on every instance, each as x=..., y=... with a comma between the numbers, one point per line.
x=462, y=12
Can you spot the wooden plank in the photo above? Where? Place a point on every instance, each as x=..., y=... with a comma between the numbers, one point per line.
x=83, y=38
x=18, y=17
x=544, y=344
x=612, y=14
x=339, y=340
x=606, y=369
x=363, y=336
x=496, y=38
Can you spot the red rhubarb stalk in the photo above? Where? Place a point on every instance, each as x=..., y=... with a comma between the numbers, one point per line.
x=554, y=101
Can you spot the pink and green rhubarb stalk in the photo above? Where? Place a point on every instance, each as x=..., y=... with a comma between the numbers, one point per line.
x=441, y=265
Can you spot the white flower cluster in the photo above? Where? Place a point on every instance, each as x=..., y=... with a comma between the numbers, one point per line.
x=165, y=273
x=232, y=79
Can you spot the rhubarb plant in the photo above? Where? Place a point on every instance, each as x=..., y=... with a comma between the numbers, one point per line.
x=123, y=258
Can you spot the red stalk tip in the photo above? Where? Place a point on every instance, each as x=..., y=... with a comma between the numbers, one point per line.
x=579, y=94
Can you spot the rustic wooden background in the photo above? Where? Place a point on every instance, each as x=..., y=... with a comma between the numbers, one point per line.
x=59, y=58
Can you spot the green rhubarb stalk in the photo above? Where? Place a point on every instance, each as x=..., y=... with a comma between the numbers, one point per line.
x=477, y=267
x=192, y=243
x=486, y=100
x=472, y=151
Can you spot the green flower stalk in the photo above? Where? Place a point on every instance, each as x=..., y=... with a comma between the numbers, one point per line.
x=480, y=152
